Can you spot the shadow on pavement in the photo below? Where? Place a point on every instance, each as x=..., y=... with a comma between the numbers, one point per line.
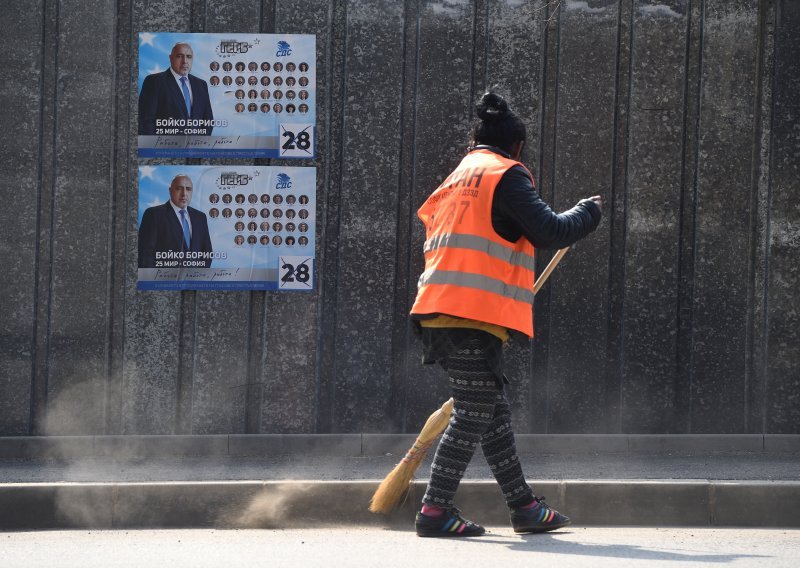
x=556, y=544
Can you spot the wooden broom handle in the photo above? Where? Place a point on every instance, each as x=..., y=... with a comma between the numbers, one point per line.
x=550, y=267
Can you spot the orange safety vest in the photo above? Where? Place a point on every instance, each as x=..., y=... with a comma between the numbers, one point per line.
x=471, y=271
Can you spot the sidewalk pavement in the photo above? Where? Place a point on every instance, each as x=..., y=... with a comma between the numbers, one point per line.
x=371, y=547
x=290, y=481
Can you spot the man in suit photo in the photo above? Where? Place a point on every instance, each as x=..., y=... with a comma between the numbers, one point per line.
x=175, y=94
x=175, y=227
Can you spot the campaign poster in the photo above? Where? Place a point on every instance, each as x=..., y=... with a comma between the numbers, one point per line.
x=226, y=227
x=226, y=95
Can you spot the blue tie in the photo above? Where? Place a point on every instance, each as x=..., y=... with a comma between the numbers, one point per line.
x=186, y=96
x=186, y=235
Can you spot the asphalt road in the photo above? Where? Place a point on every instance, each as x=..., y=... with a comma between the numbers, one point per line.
x=572, y=547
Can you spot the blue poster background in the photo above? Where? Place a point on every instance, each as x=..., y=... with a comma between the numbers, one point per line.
x=259, y=133
x=269, y=216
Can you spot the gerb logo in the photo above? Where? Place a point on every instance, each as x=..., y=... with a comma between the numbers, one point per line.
x=232, y=47
x=284, y=49
x=233, y=178
x=284, y=182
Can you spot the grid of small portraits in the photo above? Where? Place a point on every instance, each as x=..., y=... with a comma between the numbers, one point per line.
x=279, y=87
x=263, y=219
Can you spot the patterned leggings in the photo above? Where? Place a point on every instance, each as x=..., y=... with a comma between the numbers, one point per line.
x=481, y=415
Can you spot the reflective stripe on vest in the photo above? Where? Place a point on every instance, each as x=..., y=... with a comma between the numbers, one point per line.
x=474, y=242
x=477, y=281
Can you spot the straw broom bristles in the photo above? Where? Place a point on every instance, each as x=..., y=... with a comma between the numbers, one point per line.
x=396, y=484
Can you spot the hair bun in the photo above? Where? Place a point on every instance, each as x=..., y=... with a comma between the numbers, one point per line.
x=492, y=106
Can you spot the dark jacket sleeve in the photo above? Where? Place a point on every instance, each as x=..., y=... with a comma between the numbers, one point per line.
x=518, y=210
x=148, y=236
x=148, y=103
x=208, y=113
x=202, y=99
x=205, y=245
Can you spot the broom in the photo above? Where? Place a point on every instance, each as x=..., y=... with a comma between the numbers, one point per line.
x=396, y=484
x=392, y=489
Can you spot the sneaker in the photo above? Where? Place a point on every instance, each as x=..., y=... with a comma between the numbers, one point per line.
x=448, y=524
x=539, y=518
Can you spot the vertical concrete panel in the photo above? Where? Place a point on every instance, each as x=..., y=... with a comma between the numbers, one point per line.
x=723, y=216
x=218, y=375
x=405, y=345
x=124, y=174
x=46, y=190
x=583, y=167
x=782, y=415
x=288, y=375
x=368, y=215
x=615, y=214
x=291, y=319
x=686, y=243
x=220, y=362
x=331, y=77
x=152, y=319
x=513, y=68
x=444, y=113
x=756, y=356
x=514, y=63
x=655, y=164
x=232, y=16
x=545, y=176
x=81, y=220
x=21, y=99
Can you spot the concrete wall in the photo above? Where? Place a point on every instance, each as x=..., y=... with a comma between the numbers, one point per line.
x=679, y=315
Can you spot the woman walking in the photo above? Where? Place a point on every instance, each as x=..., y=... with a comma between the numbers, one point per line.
x=482, y=224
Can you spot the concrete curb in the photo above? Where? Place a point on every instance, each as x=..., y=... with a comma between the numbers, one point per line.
x=366, y=445
x=293, y=504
